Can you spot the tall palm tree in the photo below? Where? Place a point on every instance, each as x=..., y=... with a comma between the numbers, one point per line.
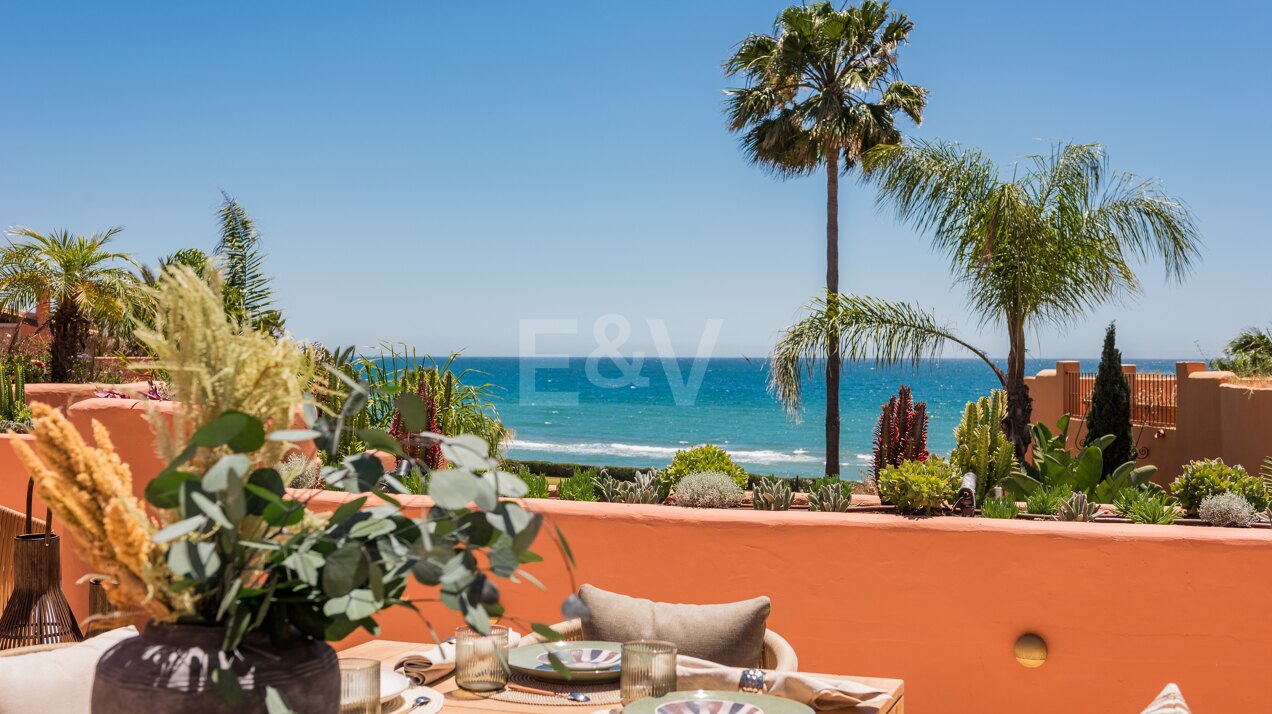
x=820, y=91
x=1044, y=247
x=86, y=285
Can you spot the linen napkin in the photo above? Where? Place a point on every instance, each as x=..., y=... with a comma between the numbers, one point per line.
x=818, y=693
x=428, y=665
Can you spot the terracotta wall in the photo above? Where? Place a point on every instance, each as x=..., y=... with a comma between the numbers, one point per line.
x=1215, y=418
x=64, y=395
x=939, y=602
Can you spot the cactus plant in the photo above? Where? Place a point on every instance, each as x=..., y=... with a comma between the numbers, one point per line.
x=901, y=433
x=14, y=413
x=830, y=498
x=982, y=446
x=772, y=494
x=1077, y=508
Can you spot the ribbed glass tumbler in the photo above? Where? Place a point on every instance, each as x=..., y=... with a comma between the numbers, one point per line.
x=648, y=670
x=359, y=686
x=481, y=661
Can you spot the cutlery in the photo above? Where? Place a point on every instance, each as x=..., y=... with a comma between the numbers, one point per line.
x=419, y=702
x=572, y=696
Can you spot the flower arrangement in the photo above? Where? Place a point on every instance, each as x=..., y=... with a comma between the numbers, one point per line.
x=220, y=542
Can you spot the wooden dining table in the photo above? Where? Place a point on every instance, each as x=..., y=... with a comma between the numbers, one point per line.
x=457, y=701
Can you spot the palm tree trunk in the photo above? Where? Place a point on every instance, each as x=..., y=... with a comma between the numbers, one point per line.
x=1019, y=403
x=833, y=358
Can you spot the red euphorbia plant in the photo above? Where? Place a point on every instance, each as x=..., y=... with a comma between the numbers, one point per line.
x=430, y=454
x=901, y=434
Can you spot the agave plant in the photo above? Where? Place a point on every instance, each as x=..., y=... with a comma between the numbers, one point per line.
x=643, y=489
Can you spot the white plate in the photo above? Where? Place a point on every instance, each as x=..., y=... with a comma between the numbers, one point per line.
x=392, y=685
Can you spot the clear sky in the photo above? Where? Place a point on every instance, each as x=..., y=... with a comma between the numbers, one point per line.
x=437, y=172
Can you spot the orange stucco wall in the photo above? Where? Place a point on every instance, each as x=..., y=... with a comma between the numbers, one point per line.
x=1214, y=418
x=939, y=602
x=64, y=395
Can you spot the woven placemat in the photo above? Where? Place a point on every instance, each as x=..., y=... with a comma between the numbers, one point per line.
x=601, y=693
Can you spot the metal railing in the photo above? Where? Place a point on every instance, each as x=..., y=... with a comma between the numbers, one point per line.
x=1153, y=397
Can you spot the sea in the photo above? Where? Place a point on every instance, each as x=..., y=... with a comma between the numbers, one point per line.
x=620, y=412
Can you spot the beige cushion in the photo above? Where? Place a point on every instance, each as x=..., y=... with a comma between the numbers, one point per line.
x=1170, y=701
x=731, y=634
x=59, y=680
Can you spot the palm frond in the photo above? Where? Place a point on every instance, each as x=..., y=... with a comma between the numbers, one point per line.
x=864, y=328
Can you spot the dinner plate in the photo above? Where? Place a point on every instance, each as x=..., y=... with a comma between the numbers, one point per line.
x=588, y=661
x=715, y=702
x=392, y=684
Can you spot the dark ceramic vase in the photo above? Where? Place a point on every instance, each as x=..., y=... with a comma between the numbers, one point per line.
x=168, y=668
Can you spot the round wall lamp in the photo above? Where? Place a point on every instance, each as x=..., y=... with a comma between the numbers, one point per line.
x=1031, y=650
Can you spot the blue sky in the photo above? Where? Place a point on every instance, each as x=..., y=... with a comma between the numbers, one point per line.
x=435, y=173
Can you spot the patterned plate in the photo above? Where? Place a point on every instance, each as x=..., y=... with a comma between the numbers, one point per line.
x=588, y=661
x=715, y=702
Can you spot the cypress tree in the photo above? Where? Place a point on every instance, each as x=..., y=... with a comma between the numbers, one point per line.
x=1111, y=406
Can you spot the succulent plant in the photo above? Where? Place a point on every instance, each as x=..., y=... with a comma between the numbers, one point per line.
x=981, y=446
x=772, y=494
x=707, y=457
x=13, y=404
x=999, y=507
x=830, y=498
x=708, y=489
x=901, y=433
x=1230, y=510
x=1200, y=479
x=1077, y=508
x=919, y=488
x=643, y=489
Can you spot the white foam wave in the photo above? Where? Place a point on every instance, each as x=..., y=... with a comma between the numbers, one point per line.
x=748, y=456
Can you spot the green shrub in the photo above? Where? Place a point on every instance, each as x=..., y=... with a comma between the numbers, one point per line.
x=536, y=484
x=1046, y=501
x=707, y=457
x=982, y=447
x=709, y=489
x=919, y=487
x=579, y=487
x=1212, y=476
x=1148, y=504
x=999, y=507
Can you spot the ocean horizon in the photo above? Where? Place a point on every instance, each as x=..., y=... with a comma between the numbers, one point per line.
x=638, y=413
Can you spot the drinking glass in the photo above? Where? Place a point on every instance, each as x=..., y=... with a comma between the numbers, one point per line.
x=648, y=670
x=481, y=661
x=359, y=686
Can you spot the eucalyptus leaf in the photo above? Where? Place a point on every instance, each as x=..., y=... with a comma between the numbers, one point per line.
x=164, y=491
x=453, y=489
x=218, y=476
x=275, y=703
x=372, y=528
x=294, y=436
x=344, y=570
x=197, y=561
x=468, y=452
x=414, y=412
x=506, y=485
x=381, y=440
x=547, y=633
x=180, y=528
x=211, y=510
x=305, y=564
x=356, y=605
x=227, y=687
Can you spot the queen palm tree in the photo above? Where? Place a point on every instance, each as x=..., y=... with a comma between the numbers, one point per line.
x=86, y=285
x=1045, y=247
x=820, y=91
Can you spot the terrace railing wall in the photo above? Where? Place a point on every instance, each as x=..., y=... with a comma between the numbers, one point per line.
x=1192, y=414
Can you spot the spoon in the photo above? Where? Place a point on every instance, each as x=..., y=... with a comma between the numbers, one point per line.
x=579, y=697
x=419, y=702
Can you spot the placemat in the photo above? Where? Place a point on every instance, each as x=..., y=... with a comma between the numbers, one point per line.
x=602, y=693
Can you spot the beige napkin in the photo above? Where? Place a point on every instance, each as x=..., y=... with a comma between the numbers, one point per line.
x=428, y=665
x=818, y=693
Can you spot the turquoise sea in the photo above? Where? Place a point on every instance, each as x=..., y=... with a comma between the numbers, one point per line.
x=624, y=414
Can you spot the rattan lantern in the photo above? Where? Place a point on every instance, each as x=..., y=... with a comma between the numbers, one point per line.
x=37, y=612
